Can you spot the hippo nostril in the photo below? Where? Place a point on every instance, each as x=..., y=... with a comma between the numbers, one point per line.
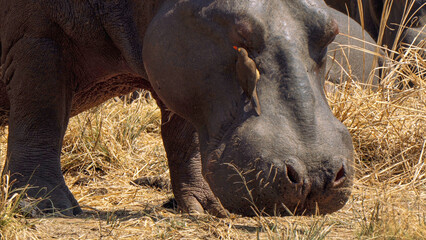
x=340, y=177
x=292, y=175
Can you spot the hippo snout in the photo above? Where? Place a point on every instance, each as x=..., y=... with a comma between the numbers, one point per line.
x=290, y=178
x=294, y=180
x=309, y=193
x=293, y=187
x=330, y=189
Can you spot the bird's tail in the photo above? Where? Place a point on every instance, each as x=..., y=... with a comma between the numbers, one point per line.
x=255, y=102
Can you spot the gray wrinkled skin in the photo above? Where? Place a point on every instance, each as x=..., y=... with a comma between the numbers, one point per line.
x=288, y=155
x=61, y=58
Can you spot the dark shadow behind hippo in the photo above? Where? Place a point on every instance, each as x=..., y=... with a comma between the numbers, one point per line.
x=405, y=22
x=62, y=59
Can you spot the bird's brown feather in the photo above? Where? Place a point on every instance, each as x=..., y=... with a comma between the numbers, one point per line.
x=248, y=76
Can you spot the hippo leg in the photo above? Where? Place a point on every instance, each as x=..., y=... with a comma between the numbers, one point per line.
x=192, y=192
x=39, y=88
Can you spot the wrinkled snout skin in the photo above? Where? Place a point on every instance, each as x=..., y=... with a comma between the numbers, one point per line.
x=296, y=157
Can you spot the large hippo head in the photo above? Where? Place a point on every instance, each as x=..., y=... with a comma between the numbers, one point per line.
x=295, y=157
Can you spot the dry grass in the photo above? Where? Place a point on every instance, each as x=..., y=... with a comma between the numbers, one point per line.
x=107, y=147
x=14, y=208
x=388, y=127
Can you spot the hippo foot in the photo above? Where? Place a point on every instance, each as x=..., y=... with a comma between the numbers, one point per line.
x=158, y=182
x=45, y=197
x=197, y=200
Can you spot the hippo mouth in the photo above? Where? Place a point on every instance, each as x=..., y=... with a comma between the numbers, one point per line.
x=258, y=185
x=255, y=194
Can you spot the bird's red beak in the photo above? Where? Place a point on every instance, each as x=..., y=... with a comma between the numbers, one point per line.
x=236, y=48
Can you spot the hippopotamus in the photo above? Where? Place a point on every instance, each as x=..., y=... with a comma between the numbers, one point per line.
x=353, y=55
x=411, y=15
x=61, y=58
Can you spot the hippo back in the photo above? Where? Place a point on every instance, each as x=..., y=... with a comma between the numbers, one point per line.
x=349, y=56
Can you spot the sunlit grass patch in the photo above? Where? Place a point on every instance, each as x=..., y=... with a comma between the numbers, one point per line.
x=14, y=210
x=116, y=134
x=388, y=127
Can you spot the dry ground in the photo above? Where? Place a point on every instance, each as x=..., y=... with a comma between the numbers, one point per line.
x=108, y=147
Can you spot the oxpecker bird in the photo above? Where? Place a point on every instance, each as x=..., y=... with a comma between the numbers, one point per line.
x=248, y=75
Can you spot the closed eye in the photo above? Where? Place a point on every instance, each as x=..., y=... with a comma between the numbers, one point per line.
x=319, y=41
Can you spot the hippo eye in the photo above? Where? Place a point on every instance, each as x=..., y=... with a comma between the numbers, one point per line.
x=318, y=52
x=328, y=35
x=240, y=35
x=249, y=34
x=322, y=54
x=319, y=39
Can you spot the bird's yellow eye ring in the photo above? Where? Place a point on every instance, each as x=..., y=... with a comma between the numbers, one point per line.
x=237, y=48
